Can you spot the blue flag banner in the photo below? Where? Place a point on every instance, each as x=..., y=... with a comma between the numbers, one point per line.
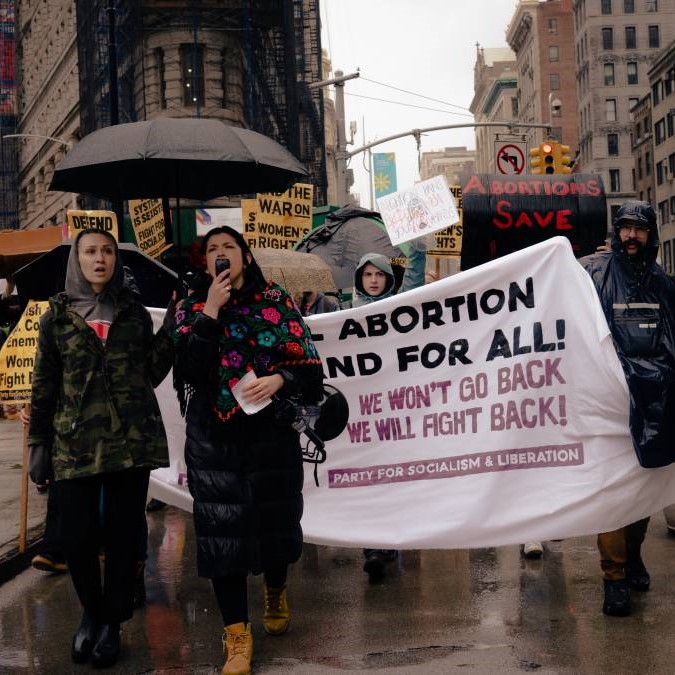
x=384, y=173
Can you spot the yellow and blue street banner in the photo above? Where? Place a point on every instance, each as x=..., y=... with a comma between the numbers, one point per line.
x=384, y=173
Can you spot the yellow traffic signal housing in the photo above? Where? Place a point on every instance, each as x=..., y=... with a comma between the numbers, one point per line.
x=536, y=160
x=548, y=149
x=563, y=158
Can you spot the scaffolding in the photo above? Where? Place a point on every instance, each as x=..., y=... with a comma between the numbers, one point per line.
x=9, y=167
x=275, y=45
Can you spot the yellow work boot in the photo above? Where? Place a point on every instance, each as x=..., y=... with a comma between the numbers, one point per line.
x=238, y=649
x=277, y=613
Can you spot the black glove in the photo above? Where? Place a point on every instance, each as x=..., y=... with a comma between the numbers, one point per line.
x=40, y=464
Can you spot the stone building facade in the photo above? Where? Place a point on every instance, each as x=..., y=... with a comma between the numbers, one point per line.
x=495, y=100
x=662, y=91
x=541, y=33
x=616, y=42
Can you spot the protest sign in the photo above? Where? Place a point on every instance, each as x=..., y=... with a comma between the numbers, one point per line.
x=147, y=219
x=425, y=207
x=207, y=219
x=448, y=241
x=489, y=408
x=503, y=214
x=17, y=355
x=281, y=219
x=95, y=220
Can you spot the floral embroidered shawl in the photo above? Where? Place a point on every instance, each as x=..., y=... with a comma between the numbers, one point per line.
x=261, y=331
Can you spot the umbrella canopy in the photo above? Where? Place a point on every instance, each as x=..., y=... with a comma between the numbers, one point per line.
x=194, y=158
x=346, y=235
x=19, y=247
x=296, y=272
x=46, y=276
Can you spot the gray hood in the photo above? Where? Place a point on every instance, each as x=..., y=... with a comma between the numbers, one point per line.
x=81, y=296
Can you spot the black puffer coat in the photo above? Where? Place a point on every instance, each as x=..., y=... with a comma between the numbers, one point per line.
x=245, y=475
x=638, y=300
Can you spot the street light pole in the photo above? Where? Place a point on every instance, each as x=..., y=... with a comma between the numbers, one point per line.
x=341, y=135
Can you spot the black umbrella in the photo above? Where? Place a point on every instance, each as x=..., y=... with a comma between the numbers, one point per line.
x=194, y=158
x=346, y=235
x=45, y=276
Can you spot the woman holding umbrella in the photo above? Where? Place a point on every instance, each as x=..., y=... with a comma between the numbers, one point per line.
x=96, y=425
x=240, y=341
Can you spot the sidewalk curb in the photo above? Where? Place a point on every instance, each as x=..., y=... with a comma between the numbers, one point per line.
x=13, y=563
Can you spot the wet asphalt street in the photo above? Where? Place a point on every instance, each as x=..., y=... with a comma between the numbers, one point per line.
x=479, y=611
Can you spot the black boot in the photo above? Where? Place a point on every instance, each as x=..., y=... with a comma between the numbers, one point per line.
x=617, y=598
x=637, y=575
x=84, y=639
x=107, y=647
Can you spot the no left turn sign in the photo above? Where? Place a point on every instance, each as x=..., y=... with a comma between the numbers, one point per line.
x=510, y=158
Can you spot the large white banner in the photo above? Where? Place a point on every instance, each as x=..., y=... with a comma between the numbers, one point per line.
x=489, y=408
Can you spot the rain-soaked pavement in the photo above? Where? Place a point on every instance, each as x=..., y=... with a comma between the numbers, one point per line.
x=479, y=611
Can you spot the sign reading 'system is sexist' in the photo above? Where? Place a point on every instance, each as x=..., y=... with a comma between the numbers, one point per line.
x=503, y=214
x=17, y=356
x=91, y=220
x=280, y=219
x=147, y=219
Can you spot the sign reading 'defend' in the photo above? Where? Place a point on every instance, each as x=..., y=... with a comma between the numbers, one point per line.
x=423, y=208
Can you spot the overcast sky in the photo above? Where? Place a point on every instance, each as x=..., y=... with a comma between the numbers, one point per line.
x=427, y=47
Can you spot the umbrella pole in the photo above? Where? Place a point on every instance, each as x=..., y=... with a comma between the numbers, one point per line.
x=178, y=228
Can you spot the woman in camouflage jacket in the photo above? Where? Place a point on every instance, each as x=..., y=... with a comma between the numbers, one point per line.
x=94, y=407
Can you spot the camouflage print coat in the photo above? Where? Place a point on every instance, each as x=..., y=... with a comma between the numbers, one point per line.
x=94, y=404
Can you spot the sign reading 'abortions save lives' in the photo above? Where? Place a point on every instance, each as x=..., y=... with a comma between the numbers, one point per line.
x=488, y=408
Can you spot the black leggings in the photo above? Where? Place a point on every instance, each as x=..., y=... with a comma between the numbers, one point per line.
x=232, y=595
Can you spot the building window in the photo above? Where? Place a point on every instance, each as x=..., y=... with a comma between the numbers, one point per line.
x=553, y=26
x=651, y=5
x=632, y=102
x=614, y=180
x=648, y=172
x=632, y=72
x=192, y=74
x=656, y=93
x=660, y=132
x=631, y=41
x=628, y=6
x=161, y=78
x=612, y=144
x=639, y=168
x=659, y=173
x=667, y=257
x=608, y=70
x=224, y=72
x=654, y=38
x=553, y=53
x=671, y=166
x=608, y=38
x=554, y=81
x=514, y=107
x=606, y=6
x=610, y=109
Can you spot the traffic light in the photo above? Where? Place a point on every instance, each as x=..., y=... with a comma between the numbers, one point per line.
x=548, y=156
x=562, y=158
x=536, y=163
